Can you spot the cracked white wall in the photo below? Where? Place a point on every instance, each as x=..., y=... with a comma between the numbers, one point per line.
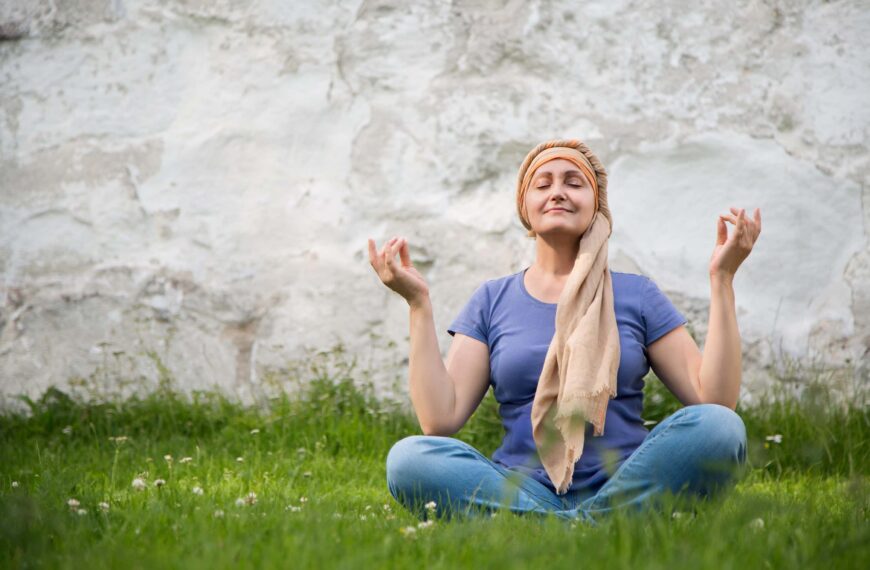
x=194, y=181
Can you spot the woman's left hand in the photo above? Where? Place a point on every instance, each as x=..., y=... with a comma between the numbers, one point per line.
x=731, y=250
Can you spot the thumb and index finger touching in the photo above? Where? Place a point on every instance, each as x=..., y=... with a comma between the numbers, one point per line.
x=385, y=257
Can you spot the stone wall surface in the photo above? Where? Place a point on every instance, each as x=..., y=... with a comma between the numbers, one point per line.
x=187, y=186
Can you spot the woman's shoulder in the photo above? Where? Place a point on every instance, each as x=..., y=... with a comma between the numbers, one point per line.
x=628, y=280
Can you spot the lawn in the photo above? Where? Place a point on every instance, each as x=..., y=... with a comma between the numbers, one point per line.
x=298, y=481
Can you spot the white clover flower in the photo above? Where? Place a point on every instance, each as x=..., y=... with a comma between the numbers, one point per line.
x=251, y=498
x=185, y=460
x=775, y=438
x=139, y=484
x=14, y=484
x=425, y=524
x=104, y=506
x=240, y=502
x=168, y=458
x=301, y=450
x=408, y=530
x=255, y=431
x=386, y=507
x=218, y=514
x=303, y=499
x=73, y=504
x=159, y=482
x=757, y=524
x=81, y=512
x=67, y=430
x=197, y=490
x=240, y=459
x=430, y=505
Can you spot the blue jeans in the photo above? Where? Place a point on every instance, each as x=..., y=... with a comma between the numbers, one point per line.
x=697, y=452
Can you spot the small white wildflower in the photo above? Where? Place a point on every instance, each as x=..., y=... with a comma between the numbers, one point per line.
x=185, y=460
x=430, y=505
x=139, y=484
x=303, y=499
x=775, y=438
x=493, y=515
x=390, y=517
x=197, y=491
x=296, y=509
x=301, y=450
x=168, y=458
x=67, y=430
x=73, y=504
x=307, y=474
x=81, y=512
x=255, y=431
x=118, y=438
x=676, y=514
x=240, y=459
x=159, y=482
x=368, y=507
x=251, y=498
x=362, y=517
x=425, y=524
x=408, y=530
x=14, y=484
x=240, y=502
x=104, y=506
x=757, y=524
x=386, y=506
x=218, y=514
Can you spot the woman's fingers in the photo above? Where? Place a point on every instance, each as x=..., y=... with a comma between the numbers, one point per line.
x=403, y=252
x=373, y=253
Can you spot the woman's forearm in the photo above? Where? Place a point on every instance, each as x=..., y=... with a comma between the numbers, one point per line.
x=432, y=391
x=722, y=361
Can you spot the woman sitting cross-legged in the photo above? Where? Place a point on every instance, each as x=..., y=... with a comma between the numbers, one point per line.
x=566, y=343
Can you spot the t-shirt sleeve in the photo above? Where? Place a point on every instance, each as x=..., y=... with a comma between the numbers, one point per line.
x=473, y=319
x=660, y=316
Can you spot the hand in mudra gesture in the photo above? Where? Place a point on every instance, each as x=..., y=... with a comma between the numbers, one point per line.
x=731, y=250
x=400, y=276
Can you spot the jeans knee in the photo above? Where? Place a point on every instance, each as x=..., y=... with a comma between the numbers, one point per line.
x=405, y=460
x=723, y=430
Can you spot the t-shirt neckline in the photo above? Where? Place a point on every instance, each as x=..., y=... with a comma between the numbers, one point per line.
x=528, y=295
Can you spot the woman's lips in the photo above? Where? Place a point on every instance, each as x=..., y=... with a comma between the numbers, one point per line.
x=557, y=210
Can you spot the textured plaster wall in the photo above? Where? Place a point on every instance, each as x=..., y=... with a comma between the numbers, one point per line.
x=191, y=184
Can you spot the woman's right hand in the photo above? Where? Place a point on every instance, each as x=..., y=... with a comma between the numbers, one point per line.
x=402, y=277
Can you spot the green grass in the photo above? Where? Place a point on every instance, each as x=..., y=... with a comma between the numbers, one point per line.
x=328, y=444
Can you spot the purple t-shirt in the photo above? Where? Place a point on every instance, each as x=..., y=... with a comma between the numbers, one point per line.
x=518, y=329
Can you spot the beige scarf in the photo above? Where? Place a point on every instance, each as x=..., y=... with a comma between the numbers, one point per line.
x=579, y=374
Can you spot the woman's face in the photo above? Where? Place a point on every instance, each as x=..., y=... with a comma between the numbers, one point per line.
x=558, y=183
